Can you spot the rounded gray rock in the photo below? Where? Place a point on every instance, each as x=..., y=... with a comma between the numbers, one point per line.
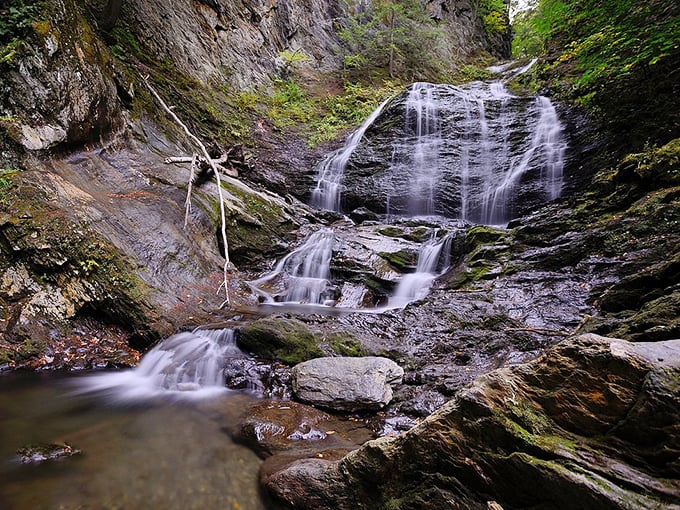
x=345, y=383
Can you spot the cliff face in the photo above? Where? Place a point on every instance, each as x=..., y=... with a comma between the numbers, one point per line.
x=91, y=229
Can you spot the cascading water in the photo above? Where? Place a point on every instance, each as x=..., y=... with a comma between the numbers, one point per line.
x=423, y=118
x=304, y=272
x=474, y=152
x=326, y=194
x=186, y=365
x=434, y=259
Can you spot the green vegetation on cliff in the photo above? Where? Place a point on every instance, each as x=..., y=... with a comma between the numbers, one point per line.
x=617, y=58
x=15, y=23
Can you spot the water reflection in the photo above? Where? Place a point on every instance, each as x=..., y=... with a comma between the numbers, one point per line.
x=162, y=456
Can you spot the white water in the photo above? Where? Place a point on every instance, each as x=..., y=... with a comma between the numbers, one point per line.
x=474, y=144
x=421, y=113
x=304, y=272
x=434, y=259
x=468, y=152
x=326, y=194
x=185, y=365
x=546, y=150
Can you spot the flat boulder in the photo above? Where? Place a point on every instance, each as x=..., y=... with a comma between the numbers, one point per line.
x=346, y=383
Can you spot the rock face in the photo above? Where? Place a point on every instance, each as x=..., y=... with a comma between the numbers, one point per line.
x=241, y=42
x=346, y=384
x=474, y=152
x=63, y=93
x=592, y=424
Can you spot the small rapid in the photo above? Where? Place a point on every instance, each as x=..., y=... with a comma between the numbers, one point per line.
x=327, y=193
x=187, y=365
x=434, y=259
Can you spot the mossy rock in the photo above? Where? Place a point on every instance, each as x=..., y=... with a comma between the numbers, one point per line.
x=291, y=341
x=656, y=321
x=483, y=234
x=346, y=345
x=286, y=340
x=655, y=167
x=403, y=260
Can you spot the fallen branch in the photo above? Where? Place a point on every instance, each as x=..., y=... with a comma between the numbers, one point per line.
x=214, y=163
x=209, y=160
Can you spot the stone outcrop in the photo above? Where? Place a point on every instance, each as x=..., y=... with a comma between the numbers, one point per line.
x=592, y=424
x=346, y=384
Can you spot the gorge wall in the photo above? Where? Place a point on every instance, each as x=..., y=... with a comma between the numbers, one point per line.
x=91, y=227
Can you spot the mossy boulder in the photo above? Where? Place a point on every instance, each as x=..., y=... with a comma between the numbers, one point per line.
x=291, y=341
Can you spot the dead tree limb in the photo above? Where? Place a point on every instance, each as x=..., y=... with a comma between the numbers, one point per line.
x=207, y=157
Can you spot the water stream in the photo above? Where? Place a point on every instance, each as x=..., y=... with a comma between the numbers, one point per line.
x=187, y=365
x=326, y=194
x=169, y=454
x=471, y=152
x=434, y=259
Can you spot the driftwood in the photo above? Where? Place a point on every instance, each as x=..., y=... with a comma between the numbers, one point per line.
x=229, y=170
x=216, y=171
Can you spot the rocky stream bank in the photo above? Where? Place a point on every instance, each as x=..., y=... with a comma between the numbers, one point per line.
x=508, y=396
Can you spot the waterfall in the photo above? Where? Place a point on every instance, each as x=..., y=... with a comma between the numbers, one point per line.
x=326, y=194
x=187, y=364
x=434, y=259
x=474, y=152
x=423, y=118
x=304, y=272
x=545, y=152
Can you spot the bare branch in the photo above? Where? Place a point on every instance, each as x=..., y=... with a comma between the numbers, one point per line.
x=207, y=157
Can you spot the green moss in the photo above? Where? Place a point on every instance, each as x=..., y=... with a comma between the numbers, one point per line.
x=345, y=345
x=285, y=340
x=391, y=231
x=403, y=260
x=483, y=234
x=657, y=167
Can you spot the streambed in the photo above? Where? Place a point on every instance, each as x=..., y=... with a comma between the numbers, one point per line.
x=170, y=455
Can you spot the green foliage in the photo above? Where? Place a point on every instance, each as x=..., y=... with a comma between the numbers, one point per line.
x=604, y=40
x=17, y=19
x=293, y=57
x=494, y=15
x=471, y=72
x=6, y=184
x=340, y=112
x=390, y=39
x=289, y=105
x=616, y=58
x=16, y=23
x=526, y=41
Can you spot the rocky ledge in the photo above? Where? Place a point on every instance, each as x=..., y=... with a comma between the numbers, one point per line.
x=593, y=423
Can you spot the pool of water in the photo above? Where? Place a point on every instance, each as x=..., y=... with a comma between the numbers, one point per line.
x=153, y=455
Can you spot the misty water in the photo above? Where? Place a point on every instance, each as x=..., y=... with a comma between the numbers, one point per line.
x=157, y=436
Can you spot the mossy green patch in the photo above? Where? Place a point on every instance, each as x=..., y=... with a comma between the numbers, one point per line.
x=403, y=260
x=345, y=345
x=285, y=340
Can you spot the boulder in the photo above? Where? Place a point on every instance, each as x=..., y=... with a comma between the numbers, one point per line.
x=346, y=384
x=592, y=424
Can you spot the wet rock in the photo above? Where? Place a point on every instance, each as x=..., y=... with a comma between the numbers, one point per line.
x=289, y=341
x=594, y=422
x=362, y=214
x=346, y=384
x=273, y=427
x=271, y=380
x=37, y=453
